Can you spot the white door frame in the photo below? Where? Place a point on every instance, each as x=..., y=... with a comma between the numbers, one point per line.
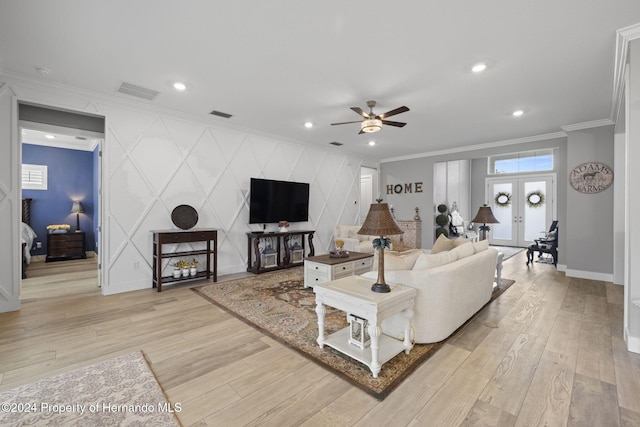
x=518, y=201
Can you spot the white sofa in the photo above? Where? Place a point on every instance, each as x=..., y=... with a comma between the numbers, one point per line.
x=353, y=242
x=452, y=286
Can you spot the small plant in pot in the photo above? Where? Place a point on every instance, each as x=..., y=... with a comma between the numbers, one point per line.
x=193, y=267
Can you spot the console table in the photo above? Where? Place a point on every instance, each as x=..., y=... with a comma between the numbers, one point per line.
x=289, y=250
x=209, y=236
x=324, y=268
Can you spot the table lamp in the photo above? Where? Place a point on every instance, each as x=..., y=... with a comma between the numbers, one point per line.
x=484, y=217
x=77, y=209
x=380, y=222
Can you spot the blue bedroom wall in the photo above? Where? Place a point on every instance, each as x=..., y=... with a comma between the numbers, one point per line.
x=70, y=177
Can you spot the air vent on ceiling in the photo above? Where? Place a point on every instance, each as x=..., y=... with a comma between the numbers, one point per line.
x=221, y=114
x=138, y=91
x=81, y=138
x=336, y=143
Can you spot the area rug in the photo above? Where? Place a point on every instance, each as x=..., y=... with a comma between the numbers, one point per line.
x=278, y=304
x=116, y=392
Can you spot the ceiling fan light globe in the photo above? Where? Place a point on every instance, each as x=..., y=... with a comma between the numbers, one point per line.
x=371, y=125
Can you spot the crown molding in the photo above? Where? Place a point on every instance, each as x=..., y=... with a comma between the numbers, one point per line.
x=623, y=37
x=588, y=125
x=483, y=146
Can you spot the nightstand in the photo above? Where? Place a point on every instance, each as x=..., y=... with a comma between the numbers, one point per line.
x=65, y=246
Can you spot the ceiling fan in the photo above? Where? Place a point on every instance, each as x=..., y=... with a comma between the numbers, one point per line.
x=372, y=122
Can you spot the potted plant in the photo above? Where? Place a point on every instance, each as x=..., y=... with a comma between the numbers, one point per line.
x=193, y=267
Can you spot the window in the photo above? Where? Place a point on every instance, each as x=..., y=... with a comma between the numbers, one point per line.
x=34, y=177
x=526, y=161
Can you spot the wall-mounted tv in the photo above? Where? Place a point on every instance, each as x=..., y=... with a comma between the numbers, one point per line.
x=273, y=201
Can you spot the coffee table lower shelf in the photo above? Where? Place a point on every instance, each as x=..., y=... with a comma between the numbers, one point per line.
x=389, y=347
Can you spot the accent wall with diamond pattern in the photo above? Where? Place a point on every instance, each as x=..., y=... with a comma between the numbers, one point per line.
x=155, y=160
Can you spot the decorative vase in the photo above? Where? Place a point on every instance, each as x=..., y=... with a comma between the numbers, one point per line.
x=177, y=273
x=193, y=271
x=185, y=272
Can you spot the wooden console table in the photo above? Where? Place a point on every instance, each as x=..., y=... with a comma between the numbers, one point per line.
x=283, y=255
x=164, y=237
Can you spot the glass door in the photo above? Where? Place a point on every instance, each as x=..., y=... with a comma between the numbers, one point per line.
x=525, y=207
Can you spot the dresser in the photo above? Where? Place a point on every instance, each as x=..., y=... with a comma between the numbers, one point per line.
x=412, y=237
x=65, y=246
x=323, y=268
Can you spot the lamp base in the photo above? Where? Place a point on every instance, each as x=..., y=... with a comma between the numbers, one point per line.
x=381, y=288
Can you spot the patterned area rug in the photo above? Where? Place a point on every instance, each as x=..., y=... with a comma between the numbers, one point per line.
x=278, y=304
x=115, y=392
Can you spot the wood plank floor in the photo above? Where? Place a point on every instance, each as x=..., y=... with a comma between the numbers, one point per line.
x=548, y=352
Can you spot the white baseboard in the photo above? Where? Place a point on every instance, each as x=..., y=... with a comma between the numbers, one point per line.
x=580, y=274
x=633, y=343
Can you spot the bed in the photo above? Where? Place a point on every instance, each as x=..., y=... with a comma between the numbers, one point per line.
x=27, y=236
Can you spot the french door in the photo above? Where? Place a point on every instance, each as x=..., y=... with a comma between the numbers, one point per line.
x=525, y=207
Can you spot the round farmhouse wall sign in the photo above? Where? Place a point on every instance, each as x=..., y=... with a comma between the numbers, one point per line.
x=591, y=177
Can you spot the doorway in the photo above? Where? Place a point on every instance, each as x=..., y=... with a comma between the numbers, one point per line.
x=523, y=205
x=368, y=190
x=67, y=146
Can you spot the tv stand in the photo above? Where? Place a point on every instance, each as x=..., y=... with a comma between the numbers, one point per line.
x=268, y=251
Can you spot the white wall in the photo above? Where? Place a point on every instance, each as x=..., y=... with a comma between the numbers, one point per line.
x=154, y=160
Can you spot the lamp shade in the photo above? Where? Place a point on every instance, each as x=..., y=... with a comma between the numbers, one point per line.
x=77, y=207
x=371, y=125
x=380, y=222
x=485, y=216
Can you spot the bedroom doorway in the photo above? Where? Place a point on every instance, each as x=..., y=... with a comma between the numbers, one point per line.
x=67, y=198
x=368, y=190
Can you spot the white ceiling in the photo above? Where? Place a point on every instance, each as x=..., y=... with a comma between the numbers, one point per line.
x=275, y=64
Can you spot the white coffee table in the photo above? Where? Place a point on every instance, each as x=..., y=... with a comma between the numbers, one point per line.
x=353, y=295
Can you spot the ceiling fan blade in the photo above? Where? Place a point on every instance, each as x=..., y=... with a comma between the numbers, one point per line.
x=361, y=131
x=361, y=112
x=390, y=123
x=393, y=112
x=346, y=123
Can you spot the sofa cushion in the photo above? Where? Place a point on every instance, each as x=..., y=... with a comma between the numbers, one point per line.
x=442, y=244
x=481, y=245
x=426, y=261
x=394, y=260
x=464, y=250
x=460, y=241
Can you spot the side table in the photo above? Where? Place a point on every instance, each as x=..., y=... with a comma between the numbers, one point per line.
x=353, y=295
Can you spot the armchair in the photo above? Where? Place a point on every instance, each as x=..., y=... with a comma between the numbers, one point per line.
x=547, y=245
x=353, y=242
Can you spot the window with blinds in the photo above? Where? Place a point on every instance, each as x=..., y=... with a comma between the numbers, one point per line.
x=34, y=177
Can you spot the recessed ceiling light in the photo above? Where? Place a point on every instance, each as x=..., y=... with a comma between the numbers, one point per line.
x=518, y=113
x=179, y=86
x=308, y=125
x=478, y=68
x=48, y=136
x=372, y=143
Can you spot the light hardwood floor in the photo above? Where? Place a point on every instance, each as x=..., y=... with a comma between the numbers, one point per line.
x=549, y=351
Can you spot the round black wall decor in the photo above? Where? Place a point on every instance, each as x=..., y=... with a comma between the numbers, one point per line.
x=184, y=217
x=591, y=177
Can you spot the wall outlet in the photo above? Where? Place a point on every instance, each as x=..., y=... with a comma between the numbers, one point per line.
x=38, y=245
x=136, y=265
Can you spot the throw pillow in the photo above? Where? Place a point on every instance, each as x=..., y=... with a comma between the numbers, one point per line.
x=480, y=246
x=442, y=244
x=464, y=250
x=394, y=260
x=427, y=261
x=460, y=241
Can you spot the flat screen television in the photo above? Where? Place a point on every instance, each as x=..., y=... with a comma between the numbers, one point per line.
x=272, y=201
